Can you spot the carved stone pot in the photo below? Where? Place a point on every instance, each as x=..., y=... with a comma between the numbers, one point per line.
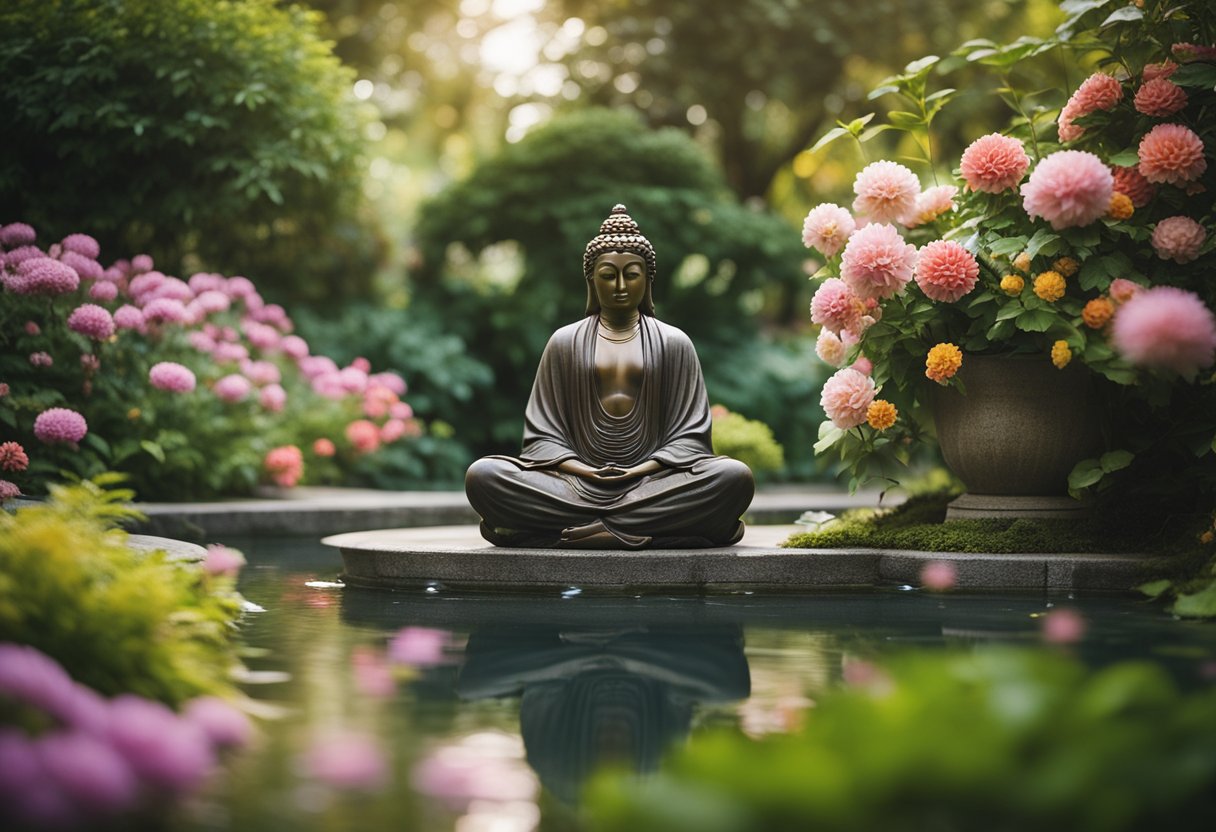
x=1015, y=435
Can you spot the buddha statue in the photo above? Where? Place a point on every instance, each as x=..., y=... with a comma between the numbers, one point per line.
x=616, y=448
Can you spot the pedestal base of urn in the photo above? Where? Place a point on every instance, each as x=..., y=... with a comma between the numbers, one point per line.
x=981, y=506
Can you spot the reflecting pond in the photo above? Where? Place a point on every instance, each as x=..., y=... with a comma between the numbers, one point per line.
x=447, y=711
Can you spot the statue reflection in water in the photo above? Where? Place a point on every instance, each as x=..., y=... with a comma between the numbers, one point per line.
x=594, y=697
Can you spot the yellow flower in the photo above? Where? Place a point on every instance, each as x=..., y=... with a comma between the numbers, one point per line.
x=1022, y=262
x=1049, y=286
x=881, y=414
x=1012, y=284
x=1097, y=312
x=134, y=413
x=1121, y=207
x=1060, y=354
x=1066, y=266
x=1207, y=537
x=943, y=362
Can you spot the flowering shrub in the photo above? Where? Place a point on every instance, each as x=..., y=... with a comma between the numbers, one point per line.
x=1084, y=242
x=193, y=388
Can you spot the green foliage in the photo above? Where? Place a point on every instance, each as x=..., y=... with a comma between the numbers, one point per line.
x=220, y=130
x=117, y=619
x=747, y=440
x=501, y=252
x=1000, y=739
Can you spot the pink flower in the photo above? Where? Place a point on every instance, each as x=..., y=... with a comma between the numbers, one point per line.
x=1160, y=98
x=373, y=675
x=1187, y=52
x=945, y=271
x=1097, y=92
x=170, y=376
x=273, y=397
x=1171, y=153
x=88, y=771
x=233, y=388
x=103, y=290
x=200, y=282
x=58, y=424
x=285, y=465
x=240, y=287
x=1068, y=188
x=994, y=163
x=17, y=234
x=226, y=353
x=8, y=490
x=169, y=310
x=324, y=447
x=129, y=317
x=262, y=336
x=315, y=365
x=885, y=191
x=1129, y=182
x=1063, y=626
x=41, y=359
x=390, y=380
x=141, y=263
x=826, y=228
x=418, y=646
x=144, y=284
x=84, y=267
x=294, y=347
x=81, y=244
x=863, y=365
x=201, y=341
x=400, y=410
x=930, y=205
x=1178, y=239
x=392, y=430
x=835, y=307
x=846, y=397
x=364, y=435
x=483, y=768
x=211, y=301
x=347, y=761
x=223, y=725
x=362, y=364
x=13, y=457
x=91, y=321
x=877, y=263
x=90, y=363
x=163, y=749
x=377, y=400
x=261, y=372
x=1166, y=327
x=44, y=276
x=4, y=389
x=32, y=328
x=223, y=560
x=353, y=379
x=1122, y=290
x=938, y=575
x=830, y=348
x=1162, y=70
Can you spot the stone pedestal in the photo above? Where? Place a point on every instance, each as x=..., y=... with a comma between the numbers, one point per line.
x=981, y=506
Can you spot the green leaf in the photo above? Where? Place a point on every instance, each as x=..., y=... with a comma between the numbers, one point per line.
x=1010, y=310
x=98, y=444
x=155, y=451
x=1000, y=331
x=903, y=120
x=1007, y=245
x=879, y=92
x=1124, y=15
x=1036, y=320
x=921, y=65
x=1201, y=604
x=829, y=137
x=1084, y=474
x=1116, y=460
x=1041, y=238
x=828, y=437
x=1153, y=589
x=856, y=125
x=1195, y=75
x=871, y=132
x=1126, y=158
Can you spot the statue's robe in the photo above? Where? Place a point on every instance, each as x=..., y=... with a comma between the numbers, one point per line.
x=696, y=499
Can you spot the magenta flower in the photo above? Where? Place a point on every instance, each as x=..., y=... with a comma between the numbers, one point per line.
x=87, y=269
x=103, y=290
x=81, y=244
x=212, y=301
x=17, y=234
x=945, y=271
x=886, y=191
x=1068, y=188
x=418, y=646
x=347, y=761
x=233, y=388
x=88, y=771
x=201, y=282
x=169, y=287
x=44, y=276
x=168, y=310
x=1171, y=153
x=144, y=284
x=228, y=353
x=994, y=163
x=58, y=424
x=315, y=365
x=400, y=410
x=223, y=725
x=826, y=228
x=263, y=336
x=129, y=317
x=846, y=396
x=391, y=380
x=141, y=263
x=163, y=749
x=13, y=457
x=239, y=287
x=1178, y=239
x=877, y=263
x=172, y=377
x=294, y=347
x=223, y=560
x=1167, y=328
x=91, y=321
x=392, y=430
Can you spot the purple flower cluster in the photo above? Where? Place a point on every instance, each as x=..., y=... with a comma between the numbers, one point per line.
x=101, y=759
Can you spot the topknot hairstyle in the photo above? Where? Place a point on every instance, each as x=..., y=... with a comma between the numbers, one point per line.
x=619, y=233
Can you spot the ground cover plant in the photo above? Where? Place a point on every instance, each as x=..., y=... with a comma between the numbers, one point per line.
x=193, y=388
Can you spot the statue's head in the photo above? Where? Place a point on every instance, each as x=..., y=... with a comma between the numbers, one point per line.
x=619, y=235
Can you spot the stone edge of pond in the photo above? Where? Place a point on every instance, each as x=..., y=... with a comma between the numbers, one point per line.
x=389, y=558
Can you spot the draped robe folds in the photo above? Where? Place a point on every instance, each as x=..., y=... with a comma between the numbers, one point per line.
x=695, y=499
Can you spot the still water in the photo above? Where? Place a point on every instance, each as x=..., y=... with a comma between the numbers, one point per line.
x=473, y=713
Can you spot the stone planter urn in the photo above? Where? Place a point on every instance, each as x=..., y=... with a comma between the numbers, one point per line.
x=1015, y=435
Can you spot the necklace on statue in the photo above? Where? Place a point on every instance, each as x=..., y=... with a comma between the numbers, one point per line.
x=633, y=333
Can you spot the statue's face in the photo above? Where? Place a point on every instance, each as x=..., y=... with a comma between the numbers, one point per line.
x=619, y=279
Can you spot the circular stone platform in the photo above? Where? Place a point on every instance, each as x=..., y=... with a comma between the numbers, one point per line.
x=456, y=557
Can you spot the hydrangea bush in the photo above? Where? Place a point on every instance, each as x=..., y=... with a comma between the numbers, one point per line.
x=193, y=388
x=1081, y=234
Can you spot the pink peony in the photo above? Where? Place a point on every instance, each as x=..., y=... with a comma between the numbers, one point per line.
x=294, y=347
x=945, y=271
x=223, y=560
x=829, y=348
x=877, y=263
x=418, y=646
x=84, y=267
x=273, y=397
x=164, y=750
x=232, y=388
x=103, y=290
x=994, y=163
x=835, y=307
x=224, y=725
x=846, y=397
x=1129, y=182
x=324, y=447
x=91, y=321
x=364, y=435
x=285, y=465
x=1160, y=98
x=347, y=761
x=1097, y=92
x=886, y=191
x=930, y=205
x=1178, y=239
x=1166, y=327
x=1122, y=290
x=1162, y=70
x=41, y=359
x=44, y=276
x=826, y=228
x=1171, y=153
x=167, y=375
x=1068, y=188
x=17, y=234
x=81, y=244
x=168, y=310
x=8, y=490
x=13, y=457
x=129, y=317
x=58, y=424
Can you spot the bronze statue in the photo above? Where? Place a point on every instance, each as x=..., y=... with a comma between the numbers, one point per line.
x=616, y=450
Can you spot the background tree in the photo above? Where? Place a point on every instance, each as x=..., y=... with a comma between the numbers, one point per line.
x=211, y=135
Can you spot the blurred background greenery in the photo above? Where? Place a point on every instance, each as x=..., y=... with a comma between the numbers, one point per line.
x=415, y=180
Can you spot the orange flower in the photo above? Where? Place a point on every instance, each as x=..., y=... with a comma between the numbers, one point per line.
x=1012, y=284
x=881, y=414
x=1121, y=207
x=1066, y=266
x=943, y=362
x=1049, y=286
x=1097, y=312
x=1060, y=354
